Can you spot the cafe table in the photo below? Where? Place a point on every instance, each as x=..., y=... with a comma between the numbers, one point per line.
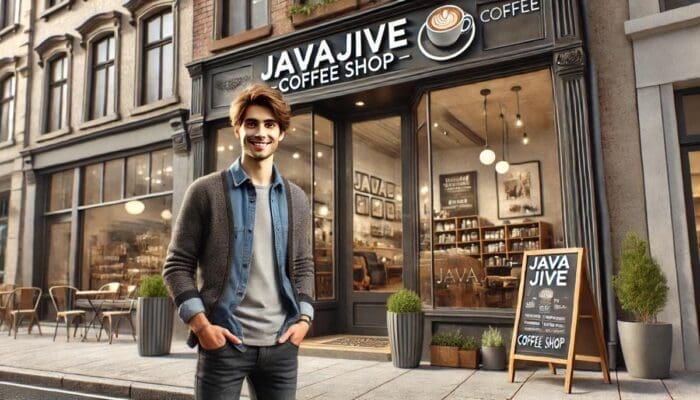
x=93, y=298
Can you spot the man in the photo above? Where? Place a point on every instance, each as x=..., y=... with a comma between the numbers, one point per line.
x=249, y=230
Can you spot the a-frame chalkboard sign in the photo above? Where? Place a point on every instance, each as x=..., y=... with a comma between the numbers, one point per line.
x=557, y=321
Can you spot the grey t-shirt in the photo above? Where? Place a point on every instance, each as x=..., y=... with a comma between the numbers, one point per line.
x=261, y=312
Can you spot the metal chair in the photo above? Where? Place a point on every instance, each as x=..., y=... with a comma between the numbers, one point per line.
x=127, y=305
x=63, y=299
x=27, y=301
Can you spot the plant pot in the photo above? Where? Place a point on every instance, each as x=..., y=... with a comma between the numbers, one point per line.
x=155, y=325
x=469, y=358
x=327, y=11
x=493, y=358
x=646, y=348
x=444, y=356
x=405, y=338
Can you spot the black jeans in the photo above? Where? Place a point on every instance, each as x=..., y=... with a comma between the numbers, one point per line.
x=271, y=371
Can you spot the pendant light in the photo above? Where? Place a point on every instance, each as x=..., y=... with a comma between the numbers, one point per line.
x=502, y=166
x=487, y=156
x=518, y=118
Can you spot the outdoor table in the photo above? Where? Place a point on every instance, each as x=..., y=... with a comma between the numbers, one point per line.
x=96, y=306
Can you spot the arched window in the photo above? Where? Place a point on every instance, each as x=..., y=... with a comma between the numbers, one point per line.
x=7, y=107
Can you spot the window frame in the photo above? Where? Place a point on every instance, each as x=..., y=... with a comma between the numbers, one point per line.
x=157, y=44
x=142, y=11
x=49, y=50
x=8, y=137
x=220, y=41
x=663, y=7
x=93, y=31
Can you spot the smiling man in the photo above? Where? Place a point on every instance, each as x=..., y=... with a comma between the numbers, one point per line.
x=248, y=230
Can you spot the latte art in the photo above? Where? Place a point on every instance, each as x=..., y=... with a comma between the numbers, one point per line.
x=445, y=19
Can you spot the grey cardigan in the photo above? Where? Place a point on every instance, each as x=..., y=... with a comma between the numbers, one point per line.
x=202, y=236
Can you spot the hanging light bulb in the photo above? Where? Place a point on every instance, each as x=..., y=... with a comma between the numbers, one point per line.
x=518, y=118
x=502, y=166
x=526, y=139
x=487, y=156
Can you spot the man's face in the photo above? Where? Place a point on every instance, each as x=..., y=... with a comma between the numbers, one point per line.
x=259, y=133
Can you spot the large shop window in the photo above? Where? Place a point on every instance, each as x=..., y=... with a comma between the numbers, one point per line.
x=124, y=220
x=377, y=230
x=306, y=158
x=479, y=211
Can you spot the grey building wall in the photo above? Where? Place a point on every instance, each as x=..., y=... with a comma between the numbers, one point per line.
x=667, y=57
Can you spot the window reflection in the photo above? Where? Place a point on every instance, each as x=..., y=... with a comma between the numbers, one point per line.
x=324, y=211
x=61, y=195
x=119, y=246
x=58, y=249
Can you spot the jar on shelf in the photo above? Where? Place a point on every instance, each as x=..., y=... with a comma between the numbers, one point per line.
x=501, y=246
x=464, y=237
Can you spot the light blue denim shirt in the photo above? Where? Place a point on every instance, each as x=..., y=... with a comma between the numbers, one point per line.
x=243, y=204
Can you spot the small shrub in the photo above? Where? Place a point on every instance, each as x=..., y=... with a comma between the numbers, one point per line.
x=492, y=338
x=640, y=284
x=309, y=7
x=449, y=339
x=404, y=301
x=153, y=286
x=469, y=343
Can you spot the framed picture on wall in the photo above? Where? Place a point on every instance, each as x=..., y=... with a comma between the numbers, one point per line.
x=363, y=179
x=376, y=185
x=519, y=191
x=389, y=210
x=377, y=208
x=361, y=204
x=390, y=190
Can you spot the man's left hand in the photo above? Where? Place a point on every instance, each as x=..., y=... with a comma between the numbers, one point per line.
x=295, y=333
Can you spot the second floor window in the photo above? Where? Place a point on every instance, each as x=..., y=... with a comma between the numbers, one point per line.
x=57, y=114
x=671, y=4
x=158, y=56
x=7, y=13
x=102, y=78
x=7, y=106
x=242, y=15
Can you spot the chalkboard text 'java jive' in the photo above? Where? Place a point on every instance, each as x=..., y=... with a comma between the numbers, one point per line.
x=549, y=270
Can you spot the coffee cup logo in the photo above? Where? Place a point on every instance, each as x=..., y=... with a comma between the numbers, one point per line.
x=445, y=24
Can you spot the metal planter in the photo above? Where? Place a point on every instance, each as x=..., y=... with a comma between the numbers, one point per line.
x=405, y=338
x=155, y=325
x=646, y=348
x=494, y=358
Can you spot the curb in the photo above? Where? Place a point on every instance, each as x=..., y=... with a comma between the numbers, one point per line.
x=96, y=385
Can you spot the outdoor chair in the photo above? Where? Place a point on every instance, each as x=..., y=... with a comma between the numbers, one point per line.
x=126, y=306
x=26, y=300
x=6, y=295
x=63, y=299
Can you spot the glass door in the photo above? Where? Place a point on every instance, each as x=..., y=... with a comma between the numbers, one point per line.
x=377, y=232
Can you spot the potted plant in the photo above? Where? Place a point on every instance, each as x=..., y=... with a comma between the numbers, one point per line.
x=315, y=10
x=444, y=348
x=155, y=317
x=493, y=353
x=469, y=353
x=641, y=288
x=404, y=318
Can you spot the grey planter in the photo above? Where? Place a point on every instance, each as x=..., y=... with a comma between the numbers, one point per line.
x=646, y=348
x=405, y=338
x=155, y=325
x=494, y=358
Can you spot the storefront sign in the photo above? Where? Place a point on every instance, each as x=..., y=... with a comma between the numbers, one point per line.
x=458, y=193
x=555, y=307
x=435, y=34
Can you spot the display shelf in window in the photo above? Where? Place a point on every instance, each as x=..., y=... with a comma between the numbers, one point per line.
x=528, y=236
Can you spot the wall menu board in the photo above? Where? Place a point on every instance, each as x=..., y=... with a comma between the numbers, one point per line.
x=458, y=193
x=544, y=326
x=555, y=306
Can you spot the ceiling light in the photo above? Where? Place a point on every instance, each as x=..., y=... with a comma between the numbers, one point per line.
x=424, y=190
x=294, y=129
x=399, y=197
x=323, y=211
x=360, y=103
x=134, y=207
x=526, y=139
x=487, y=156
x=435, y=125
x=444, y=132
x=168, y=169
x=319, y=154
x=230, y=147
x=296, y=156
x=219, y=149
x=518, y=118
x=166, y=215
x=502, y=167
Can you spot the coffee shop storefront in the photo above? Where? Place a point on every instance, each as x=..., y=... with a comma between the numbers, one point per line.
x=436, y=143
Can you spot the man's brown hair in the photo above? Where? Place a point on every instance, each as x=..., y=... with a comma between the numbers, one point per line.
x=264, y=96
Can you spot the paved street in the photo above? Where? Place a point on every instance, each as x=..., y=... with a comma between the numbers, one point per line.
x=117, y=371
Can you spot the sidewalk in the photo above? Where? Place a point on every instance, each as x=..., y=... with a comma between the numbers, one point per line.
x=117, y=370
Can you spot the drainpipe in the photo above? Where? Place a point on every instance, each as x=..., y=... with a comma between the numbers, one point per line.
x=603, y=217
